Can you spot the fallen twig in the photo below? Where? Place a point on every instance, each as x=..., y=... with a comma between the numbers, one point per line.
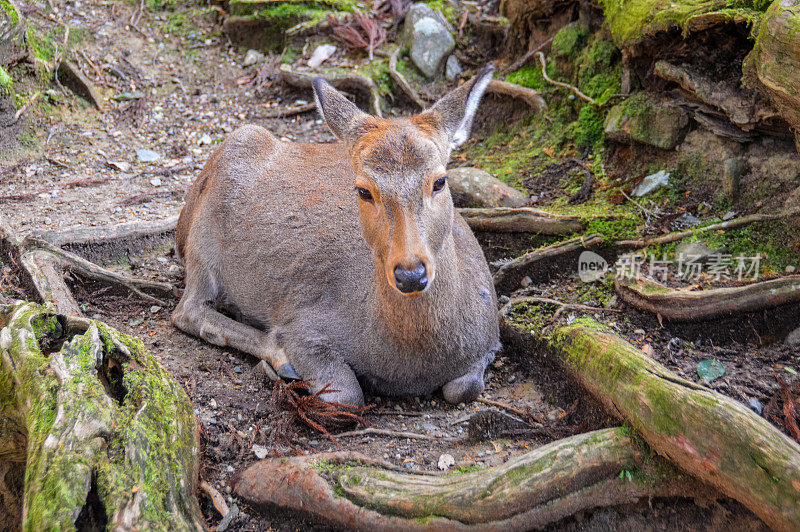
x=216, y=498
x=574, y=89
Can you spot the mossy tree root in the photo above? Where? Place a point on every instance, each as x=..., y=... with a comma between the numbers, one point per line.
x=672, y=304
x=530, y=491
x=340, y=80
x=107, y=436
x=710, y=436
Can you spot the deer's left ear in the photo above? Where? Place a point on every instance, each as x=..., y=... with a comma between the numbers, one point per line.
x=457, y=108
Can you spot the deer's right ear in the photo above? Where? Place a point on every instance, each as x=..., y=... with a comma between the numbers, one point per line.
x=341, y=115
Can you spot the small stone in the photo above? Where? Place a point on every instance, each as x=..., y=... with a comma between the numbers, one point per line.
x=647, y=120
x=230, y=469
x=638, y=331
x=686, y=220
x=119, y=165
x=728, y=215
x=651, y=183
x=237, y=369
x=452, y=69
x=429, y=428
x=174, y=270
x=445, y=461
x=135, y=321
x=512, y=379
x=793, y=339
x=481, y=455
x=260, y=451
x=755, y=405
x=147, y=156
x=204, y=140
x=156, y=181
x=429, y=36
x=552, y=415
x=213, y=404
x=526, y=282
x=503, y=299
x=252, y=57
x=408, y=465
x=155, y=309
x=710, y=370
x=791, y=269
x=321, y=53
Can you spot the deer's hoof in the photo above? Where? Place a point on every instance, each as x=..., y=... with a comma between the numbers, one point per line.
x=287, y=372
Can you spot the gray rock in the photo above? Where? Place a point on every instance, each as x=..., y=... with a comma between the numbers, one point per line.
x=473, y=187
x=252, y=57
x=430, y=39
x=445, y=461
x=416, y=13
x=647, y=121
x=651, y=183
x=147, y=156
x=452, y=69
x=260, y=451
x=684, y=221
x=793, y=339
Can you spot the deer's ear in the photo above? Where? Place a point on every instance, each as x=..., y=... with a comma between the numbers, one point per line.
x=341, y=115
x=457, y=108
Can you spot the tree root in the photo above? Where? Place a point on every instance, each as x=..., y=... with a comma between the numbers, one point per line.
x=527, y=492
x=519, y=63
x=44, y=261
x=710, y=436
x=682, y=305
x=507, y=277
x=562, y=307
x=97, y=417
x=529, y=96
x=521, y=219
x=401, y=81
x=574, y=89
x=340, y=80
x=284, y=112
x=372, y=431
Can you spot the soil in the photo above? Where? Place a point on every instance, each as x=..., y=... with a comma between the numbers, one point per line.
x=85, y=172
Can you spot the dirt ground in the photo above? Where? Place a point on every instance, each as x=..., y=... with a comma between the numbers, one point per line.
x=86, y=173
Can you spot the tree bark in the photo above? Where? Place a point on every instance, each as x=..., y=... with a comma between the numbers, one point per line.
x=710, y=436
x=108, y=438
x=520, y=220
x=672, y=304
x=528, y=492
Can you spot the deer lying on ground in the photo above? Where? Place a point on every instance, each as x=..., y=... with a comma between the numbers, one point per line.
x=344, y=261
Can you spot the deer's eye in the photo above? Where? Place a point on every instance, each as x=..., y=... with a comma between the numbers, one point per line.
x=364, y=194
x=439, y=183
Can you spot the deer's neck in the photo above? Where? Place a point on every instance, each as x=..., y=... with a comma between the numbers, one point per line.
x=413, y=322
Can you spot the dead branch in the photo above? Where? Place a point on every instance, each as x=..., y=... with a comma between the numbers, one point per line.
x=672, y=304
x=519, y=63
x=519, y=219
x=398, y=78
x=574, y=89
x=340, y=80
x=528, y=492
x=730, y=224
x=216, y=498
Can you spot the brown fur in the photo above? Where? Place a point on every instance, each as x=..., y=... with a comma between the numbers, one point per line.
x=274, y=234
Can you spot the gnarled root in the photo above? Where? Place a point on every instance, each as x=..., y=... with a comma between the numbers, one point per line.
x=710, y=436
x=527, y=492
x=107, y=437
x=672, y=304
x=340, y=80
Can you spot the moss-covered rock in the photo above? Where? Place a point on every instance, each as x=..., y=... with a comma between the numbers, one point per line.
x=645, y=119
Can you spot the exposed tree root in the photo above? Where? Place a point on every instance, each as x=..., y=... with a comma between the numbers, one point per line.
x=216, y=498
x=283, y=112
x=672, y=304
x=44, y=262
x=574, y=89
x=520, y=219
x=89, y=401
x=562, y=307
x=529, y=96
x=401, y=81
x=340, y=80
x=507, y=277
x=710, y=436
x=527, y=492
x=519, y=63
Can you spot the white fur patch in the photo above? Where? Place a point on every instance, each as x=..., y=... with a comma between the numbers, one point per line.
x=473, y=100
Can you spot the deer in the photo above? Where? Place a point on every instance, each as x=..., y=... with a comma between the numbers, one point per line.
x=344, y=263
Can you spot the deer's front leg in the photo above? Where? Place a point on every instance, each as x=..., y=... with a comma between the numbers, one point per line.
x=194, y=315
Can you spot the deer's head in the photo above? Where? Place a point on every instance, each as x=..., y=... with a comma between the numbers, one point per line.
x=401, y=179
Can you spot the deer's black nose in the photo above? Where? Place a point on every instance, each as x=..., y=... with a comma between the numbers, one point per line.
x=408, y=281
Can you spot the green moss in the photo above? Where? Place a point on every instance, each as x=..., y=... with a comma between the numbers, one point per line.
x=6, y=83
x=569, y=41
x=6, y=6
x=464, y=469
